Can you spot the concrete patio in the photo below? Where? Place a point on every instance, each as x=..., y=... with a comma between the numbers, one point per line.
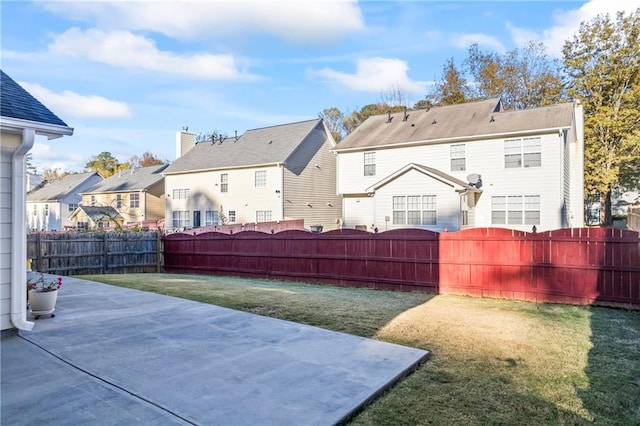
x=118, y=356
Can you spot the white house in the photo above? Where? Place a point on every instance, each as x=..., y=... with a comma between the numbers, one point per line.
x=22, y=117
x=462, y=166
x=268, y=174
x=50, y=205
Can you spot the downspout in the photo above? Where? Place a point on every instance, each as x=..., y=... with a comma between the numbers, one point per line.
x=18, y=234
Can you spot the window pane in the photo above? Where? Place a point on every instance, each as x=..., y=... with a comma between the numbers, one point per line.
x=515, y=217
x=261, y=178
x=369, y=169
x=512, y=161
x=413, y=217
x=532, y=217
x=498, y=203
x=458, y=164
x=224, y=182
x=532, y=160
x=428, y=202
x=399, y=203
x=532, y=202
x=429, y=218
x=369, y=163
x=413, y=202
x=531, y=145
x=399, y=217
x=498, y=217
x=512, y=146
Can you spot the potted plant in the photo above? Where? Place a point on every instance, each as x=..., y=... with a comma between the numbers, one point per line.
x=43, y=294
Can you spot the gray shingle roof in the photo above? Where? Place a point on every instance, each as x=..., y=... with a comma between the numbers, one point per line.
x=16, y=102
x=267, y=145
x=97, y=213
x=58, y=189
x=454, y=122
x=130, y=180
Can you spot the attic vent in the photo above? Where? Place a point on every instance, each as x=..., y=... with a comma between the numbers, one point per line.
x=270, y=142
x=434, y=121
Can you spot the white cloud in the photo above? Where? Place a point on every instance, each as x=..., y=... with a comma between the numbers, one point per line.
x=127, y=50
x=567, y=23
x=74, y=104
x=463, y=41
x=63, y=158
x=374, y=75
x=298, y=21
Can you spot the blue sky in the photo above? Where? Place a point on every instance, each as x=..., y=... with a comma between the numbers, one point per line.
x=128, y=75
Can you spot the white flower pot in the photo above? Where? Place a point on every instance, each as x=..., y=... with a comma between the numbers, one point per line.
x=42, y=303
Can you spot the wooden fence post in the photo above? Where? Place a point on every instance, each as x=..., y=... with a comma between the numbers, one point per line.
x=158, y=252
x=105, y=260
x=40, y=246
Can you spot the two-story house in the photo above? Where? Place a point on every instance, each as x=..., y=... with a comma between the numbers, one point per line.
x=268, y=174
x=467, y=165
x=50, y=204
x=131, y=197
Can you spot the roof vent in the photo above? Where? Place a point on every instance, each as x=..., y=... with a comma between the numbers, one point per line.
x=389, y=118
x=434, y=121
x=492, y=119
x=405, y=114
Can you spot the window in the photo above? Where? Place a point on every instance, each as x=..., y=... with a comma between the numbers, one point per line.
x=224, y=182
x=119, y=201
x=134, y=200
x=261, y=178
x=458, y=158
x=211, y=217
x=181, y=194
x=515, y=210
x=35, y=210
x=526, y=152
x=263, y=215
x=232, y=216
x=181, y=219
x=46, y=210
x=73, y=207
x=369, y=163
x=82, y=225
x=414, y=210
x=93, y=200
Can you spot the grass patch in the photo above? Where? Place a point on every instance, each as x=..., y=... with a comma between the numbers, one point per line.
x=492, y=361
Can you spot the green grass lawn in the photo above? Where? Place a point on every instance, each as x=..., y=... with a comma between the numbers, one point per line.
x=492, y=361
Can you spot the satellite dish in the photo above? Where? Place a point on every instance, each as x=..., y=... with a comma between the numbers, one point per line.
x=475, y=179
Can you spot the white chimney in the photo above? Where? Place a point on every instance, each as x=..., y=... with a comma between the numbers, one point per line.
x=184, y=142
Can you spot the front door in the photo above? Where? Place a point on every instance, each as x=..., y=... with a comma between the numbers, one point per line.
x=196, y=218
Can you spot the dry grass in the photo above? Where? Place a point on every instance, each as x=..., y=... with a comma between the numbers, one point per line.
x=493, y=361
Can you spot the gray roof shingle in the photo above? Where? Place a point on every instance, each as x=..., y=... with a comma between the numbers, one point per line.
x=97, y=213
x=130, y=180
x=267, y=145
x=454, y=122
x=16, y=102
x=58, y=189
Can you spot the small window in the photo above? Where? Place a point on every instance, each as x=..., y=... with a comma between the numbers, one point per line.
x=525, y=152
x=369, y=163
x=232, y=216
x=35, y=210
x=263, y=216
x=458, y=158
x=181, y=219
x=224, y=182
x=134, y=200
x=72, y=207
x=515, y=210
x=261, y=178
x=93, y=200
x=46, y=209
x=118, y=201
x=211, y=217
x=498, y=210
x=181, y=194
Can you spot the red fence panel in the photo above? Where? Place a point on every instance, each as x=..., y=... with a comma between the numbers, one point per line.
x=581, y=265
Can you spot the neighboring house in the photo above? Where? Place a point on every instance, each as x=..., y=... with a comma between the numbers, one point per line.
x=274, y=173
x=22, y=117
x=33, y=181
x=96, y=217
x=136, y=195
x=50, y=205
x=464, y=166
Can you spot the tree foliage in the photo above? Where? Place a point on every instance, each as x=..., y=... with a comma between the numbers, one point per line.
x=146, y=160
x=49, y=175
x=105, y=164
x=452, y=87
x=603, y=63
x=334, y=120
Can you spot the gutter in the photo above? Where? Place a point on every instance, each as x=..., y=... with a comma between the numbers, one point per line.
x=18, y=234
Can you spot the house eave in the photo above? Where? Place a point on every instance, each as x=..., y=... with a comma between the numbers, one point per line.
x=216, y=169
x=51, y=131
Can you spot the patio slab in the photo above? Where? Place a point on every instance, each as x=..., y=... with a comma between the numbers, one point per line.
x=113, y=355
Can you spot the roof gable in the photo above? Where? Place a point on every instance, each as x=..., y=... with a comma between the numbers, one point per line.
x=16, y=102
x=97, y=213
x=439, y=175
x=256, y=147
x=128, y=180
x=474, y=119
x=57, y=190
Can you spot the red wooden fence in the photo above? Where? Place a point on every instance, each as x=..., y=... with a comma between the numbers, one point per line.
x=584, y=265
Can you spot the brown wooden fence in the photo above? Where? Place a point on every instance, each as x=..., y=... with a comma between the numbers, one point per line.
x=68, y=253
x=586, y=265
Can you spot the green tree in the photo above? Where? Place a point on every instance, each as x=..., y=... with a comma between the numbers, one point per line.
x=603, y=63
x=105, y=164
